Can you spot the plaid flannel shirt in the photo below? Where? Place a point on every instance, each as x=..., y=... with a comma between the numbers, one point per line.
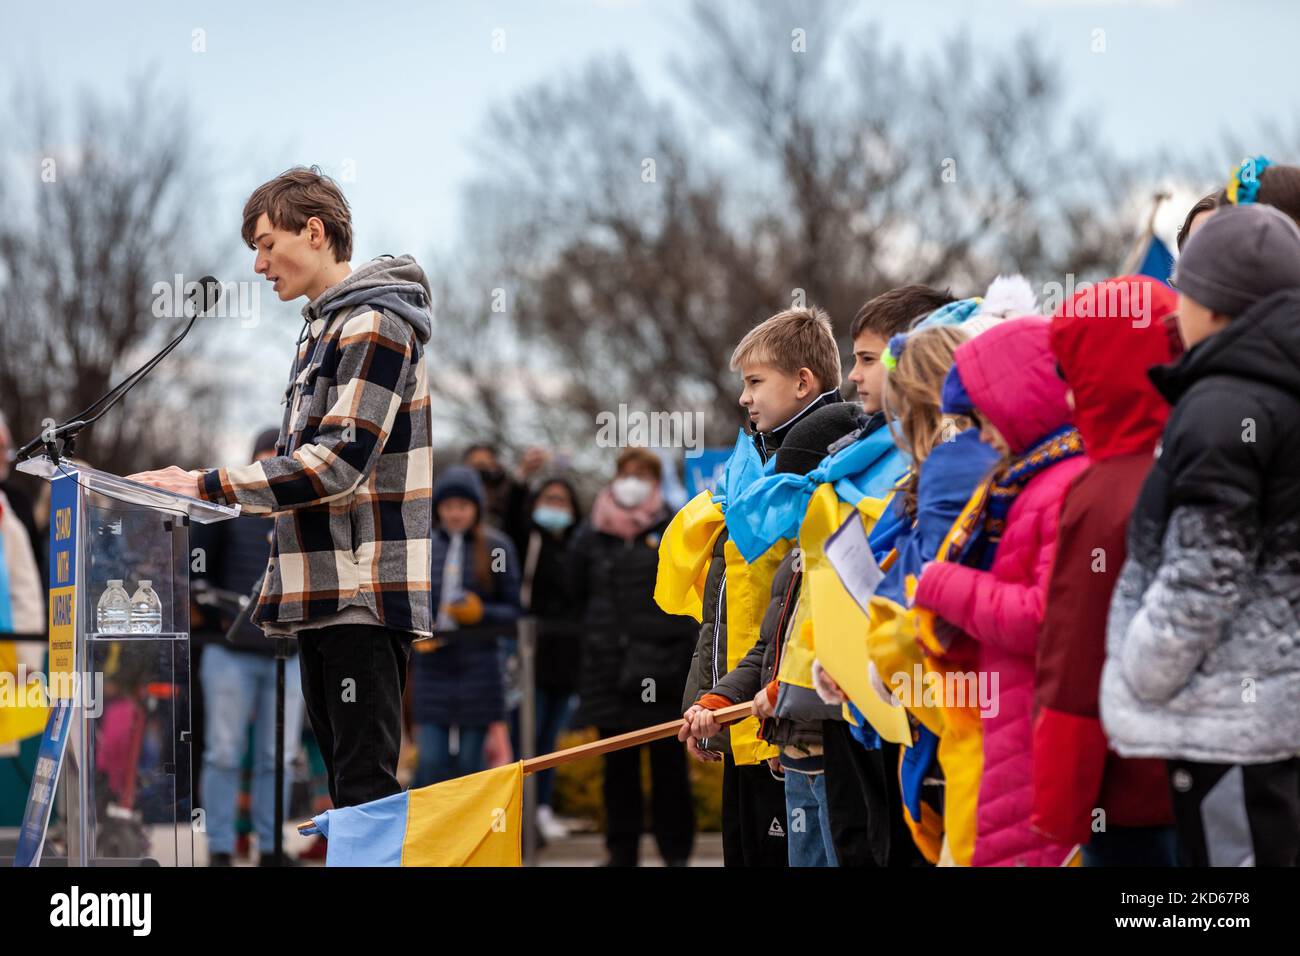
x=351, y=482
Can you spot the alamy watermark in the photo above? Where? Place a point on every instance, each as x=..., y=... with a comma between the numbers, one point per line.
x=626, y=428
x=237, y=300
x=923, y=688
x=34, y=689
x=1087, y=300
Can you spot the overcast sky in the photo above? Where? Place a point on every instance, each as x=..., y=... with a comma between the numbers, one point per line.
x=395, y=93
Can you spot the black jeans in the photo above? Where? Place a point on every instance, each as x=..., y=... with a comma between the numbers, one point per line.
x=672, y=808
x=353, y=676
x=753, y=816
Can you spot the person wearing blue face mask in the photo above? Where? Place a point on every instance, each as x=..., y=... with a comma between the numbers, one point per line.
x=544, y=545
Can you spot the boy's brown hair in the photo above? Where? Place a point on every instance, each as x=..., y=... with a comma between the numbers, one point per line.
x=292, y=198
x=791, y=340
x=894, y=311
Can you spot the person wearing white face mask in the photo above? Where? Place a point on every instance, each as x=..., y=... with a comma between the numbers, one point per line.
x=634, y=658
x=631, y=491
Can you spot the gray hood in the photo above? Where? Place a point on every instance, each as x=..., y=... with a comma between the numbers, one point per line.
x=393, y=284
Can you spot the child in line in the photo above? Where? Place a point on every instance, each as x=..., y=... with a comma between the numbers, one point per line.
x=1105, y=339
x=790, y=366
x=798, y=735
x=949, y=462
x=1256, y=180
x=1202, y=659
x=878, y=321
x=867, y=826
x=1006, y=381
x=1259, y=180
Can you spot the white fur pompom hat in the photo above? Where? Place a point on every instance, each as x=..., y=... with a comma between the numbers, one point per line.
x=1008, y=297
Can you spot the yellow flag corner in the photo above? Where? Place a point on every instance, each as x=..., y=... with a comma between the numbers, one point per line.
x=469, y=821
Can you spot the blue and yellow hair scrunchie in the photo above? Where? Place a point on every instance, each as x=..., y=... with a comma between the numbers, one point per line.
x=1243, y=187
x=893, y=351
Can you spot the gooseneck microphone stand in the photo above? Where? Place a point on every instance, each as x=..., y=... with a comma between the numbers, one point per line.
x=59, y=440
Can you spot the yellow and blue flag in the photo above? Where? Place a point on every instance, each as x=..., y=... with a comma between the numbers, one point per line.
x=469, y=821
x=686, y=548
x=949, y=476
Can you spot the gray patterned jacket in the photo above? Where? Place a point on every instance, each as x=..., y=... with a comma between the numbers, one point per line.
x=1203, y=638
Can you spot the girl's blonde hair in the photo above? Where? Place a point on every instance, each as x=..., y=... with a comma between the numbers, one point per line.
x=911, y=399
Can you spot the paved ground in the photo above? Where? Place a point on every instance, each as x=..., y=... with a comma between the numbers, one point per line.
x=579, y=849
x=588, y=849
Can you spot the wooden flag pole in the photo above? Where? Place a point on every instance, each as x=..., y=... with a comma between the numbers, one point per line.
x=633, y=738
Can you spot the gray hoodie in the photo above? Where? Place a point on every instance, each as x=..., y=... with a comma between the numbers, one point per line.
x=393, y=284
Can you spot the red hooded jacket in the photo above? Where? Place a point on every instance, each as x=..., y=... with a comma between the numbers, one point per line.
x=1104, y=339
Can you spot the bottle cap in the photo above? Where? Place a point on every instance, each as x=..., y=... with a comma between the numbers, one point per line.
x=114, y=581
x=145, y=583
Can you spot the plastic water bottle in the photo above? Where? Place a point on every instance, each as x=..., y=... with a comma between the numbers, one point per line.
x=113, y=613
x=146, y=610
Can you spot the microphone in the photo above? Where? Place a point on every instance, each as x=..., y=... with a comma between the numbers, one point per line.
x=62, y=437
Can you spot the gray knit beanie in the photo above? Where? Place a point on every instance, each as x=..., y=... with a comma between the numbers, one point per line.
x=1241, y=255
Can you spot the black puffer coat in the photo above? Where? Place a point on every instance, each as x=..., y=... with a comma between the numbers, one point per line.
x=1203, y=639
x=634, y=656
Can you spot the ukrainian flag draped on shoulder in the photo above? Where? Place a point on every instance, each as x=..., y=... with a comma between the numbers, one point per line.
x=688, y=541
x=857, y=478
x=685, y=553
x=772, y=508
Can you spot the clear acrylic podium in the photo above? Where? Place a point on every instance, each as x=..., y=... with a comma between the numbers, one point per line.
x=119, y=785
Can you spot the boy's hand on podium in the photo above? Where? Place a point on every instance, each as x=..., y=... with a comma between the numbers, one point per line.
x=173, y=479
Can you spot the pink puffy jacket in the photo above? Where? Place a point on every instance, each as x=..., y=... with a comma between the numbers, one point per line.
x=1010, y=374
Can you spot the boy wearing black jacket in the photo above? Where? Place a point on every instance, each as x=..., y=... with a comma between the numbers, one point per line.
x=1203, y=642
